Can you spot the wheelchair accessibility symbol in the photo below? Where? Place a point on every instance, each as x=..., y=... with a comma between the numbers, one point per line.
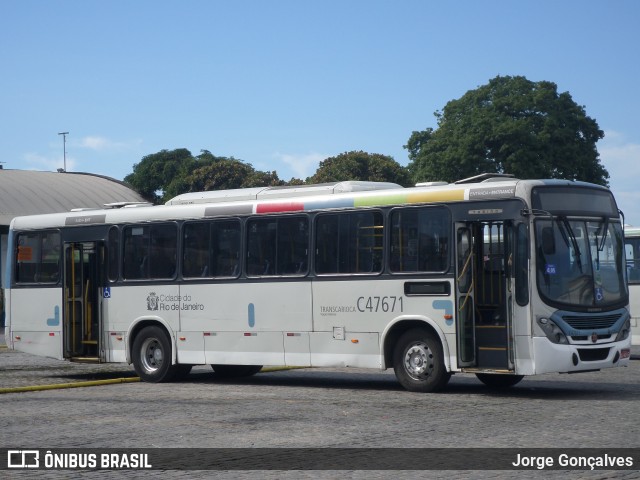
x=599, y=294
x=106, y=293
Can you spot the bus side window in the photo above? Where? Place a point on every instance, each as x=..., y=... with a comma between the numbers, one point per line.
x=521, y=265
x=150, y=251
x=420, y=240
x=632, y=253
x=292, y=245
x=113, y=253
x=261, y=236
x=195, y=244
x=164, y=241
x=277, y=246
x=38, y=258
x=349, y=242
x=225, y=248
x=136, y=246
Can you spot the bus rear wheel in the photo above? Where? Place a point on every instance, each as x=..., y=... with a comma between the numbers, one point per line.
x=151, y=355
x=230, y=371
x=418, y=362
x=499, y=381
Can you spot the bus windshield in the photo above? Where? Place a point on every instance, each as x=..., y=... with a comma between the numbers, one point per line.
x=580, y=262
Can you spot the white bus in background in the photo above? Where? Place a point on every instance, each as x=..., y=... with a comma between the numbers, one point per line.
x=490, y=275
x=632, y=251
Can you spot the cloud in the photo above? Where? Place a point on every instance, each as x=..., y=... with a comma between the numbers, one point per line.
x=303, y=165
x=621, y=158
x=40, y=162
x=97, y=143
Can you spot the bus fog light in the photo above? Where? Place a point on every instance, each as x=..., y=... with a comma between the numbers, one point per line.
x=552, y=331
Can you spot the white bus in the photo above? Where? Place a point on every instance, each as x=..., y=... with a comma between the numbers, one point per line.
x=490, y=275
x=632, y=251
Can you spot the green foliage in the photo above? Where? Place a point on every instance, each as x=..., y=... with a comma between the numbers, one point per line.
x=163, y=175
x=510, y=125
x=360, y=166
x=228, y=174
x=155, y=172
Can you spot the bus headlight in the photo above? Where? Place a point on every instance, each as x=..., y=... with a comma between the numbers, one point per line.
x=623, y=334
x=552, y=331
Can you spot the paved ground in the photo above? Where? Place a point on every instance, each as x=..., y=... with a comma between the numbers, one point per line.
x=20, y=370
x=337, y=408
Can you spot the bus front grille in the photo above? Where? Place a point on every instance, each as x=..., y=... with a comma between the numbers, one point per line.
x=591, y=323
x=593, y=354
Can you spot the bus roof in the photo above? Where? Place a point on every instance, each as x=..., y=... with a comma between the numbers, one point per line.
x=631, y=231
x=294, y=199
x=239, y=194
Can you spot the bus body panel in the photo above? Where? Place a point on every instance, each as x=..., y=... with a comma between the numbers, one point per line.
x=40, y=329
x=632, y=250
x=127, y=306
x=245, y=306
x=190, y=348
x=554, y=358
x=353, y=349
x=634, y=304
x=297, y=349
x=257, y=326
x=369, y=306
x=116, y=346
x=244, y=348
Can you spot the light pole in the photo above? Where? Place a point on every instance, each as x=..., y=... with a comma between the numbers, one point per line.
x=64, y=148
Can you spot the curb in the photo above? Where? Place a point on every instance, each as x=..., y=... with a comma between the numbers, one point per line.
x=93, y=383
x=279, y=369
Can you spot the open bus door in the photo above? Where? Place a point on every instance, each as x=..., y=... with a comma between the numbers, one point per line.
x=83, y=283
x=484, y=299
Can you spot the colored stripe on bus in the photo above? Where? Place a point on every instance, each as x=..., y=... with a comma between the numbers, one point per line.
x=436, y=196
x=280, y=207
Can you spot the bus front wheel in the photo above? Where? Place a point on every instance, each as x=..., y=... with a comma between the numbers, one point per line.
x=151, y=355
x=418, y=362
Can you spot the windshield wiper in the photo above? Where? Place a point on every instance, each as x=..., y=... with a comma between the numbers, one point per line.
x=572, y=238
x=604, y=234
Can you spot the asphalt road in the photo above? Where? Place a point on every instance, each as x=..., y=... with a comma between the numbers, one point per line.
x=332, y=408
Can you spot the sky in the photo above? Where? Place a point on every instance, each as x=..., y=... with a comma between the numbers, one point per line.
x=284, y=84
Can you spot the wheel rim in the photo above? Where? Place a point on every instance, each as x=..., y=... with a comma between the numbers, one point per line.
x=152, y=354
x=418, y=361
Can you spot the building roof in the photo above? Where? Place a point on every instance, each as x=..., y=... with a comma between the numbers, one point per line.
x=26, y=192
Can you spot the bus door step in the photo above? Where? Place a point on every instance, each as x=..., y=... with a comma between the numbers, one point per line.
x=493, y=357
x=85, y=359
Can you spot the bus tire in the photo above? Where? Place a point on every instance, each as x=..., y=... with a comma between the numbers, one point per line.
x=499, y=381
x=151, y=355
x=231, y=371
x=418, y=362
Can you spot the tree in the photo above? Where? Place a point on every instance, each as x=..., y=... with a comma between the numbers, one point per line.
x=510, y=125
x=360, y=166
x=165, y=174
x=227, y=174
x=154, y=173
